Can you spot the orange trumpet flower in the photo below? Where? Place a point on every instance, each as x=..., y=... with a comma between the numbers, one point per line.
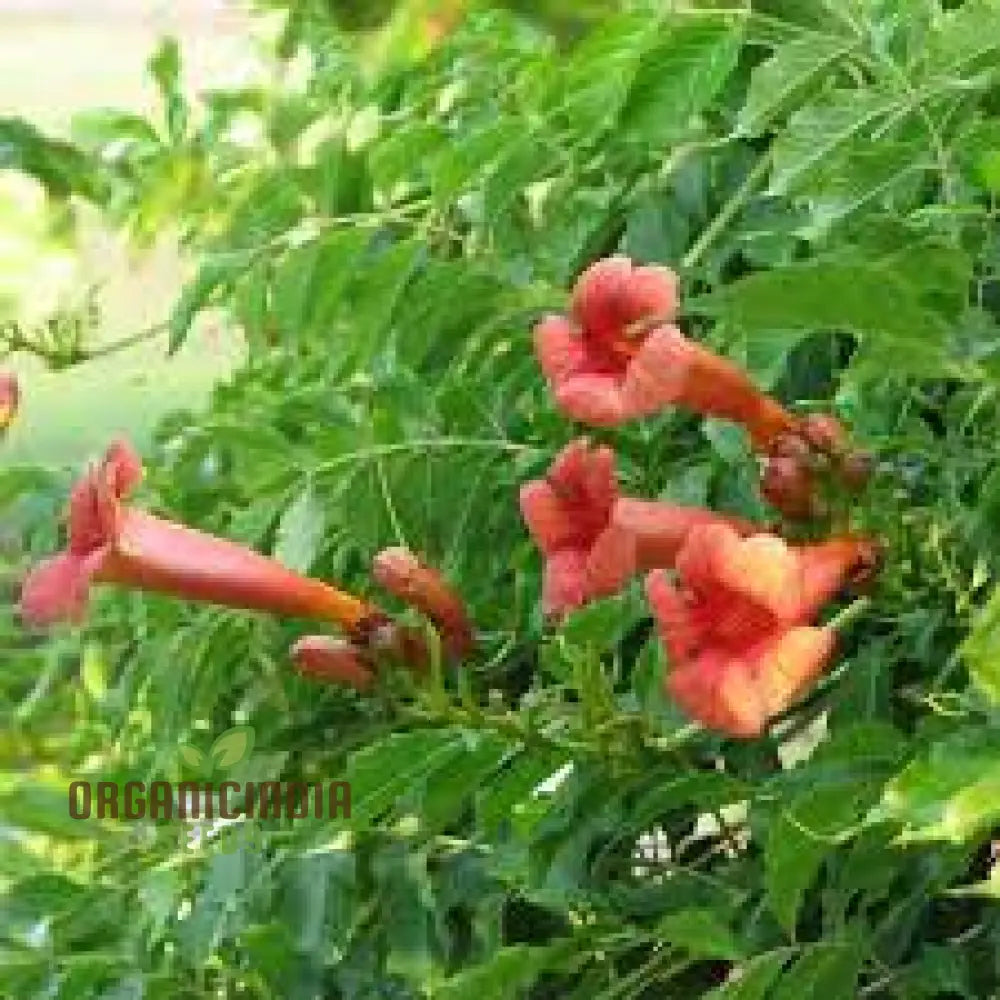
x=112, y=543
x=737, y=627
x=617, y=358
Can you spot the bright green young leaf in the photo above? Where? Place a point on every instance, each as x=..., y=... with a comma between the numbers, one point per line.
x=982, y=649
x=951, y=792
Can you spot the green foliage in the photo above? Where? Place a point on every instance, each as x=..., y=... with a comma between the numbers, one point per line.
x=823, y=177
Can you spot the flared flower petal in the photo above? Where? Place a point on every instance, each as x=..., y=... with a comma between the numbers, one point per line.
x=787, y=666
x=56, y=590
x=613, y=294
x=405, y=576
x=762, y=570
x=564, y=584
x=737, y=623
x=571, y=506
x=720, y=693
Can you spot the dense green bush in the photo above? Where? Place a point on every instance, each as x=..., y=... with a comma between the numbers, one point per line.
x=824, y=177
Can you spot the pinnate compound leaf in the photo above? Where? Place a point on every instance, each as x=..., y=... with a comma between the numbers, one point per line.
x=678, y=78
x=783, y=78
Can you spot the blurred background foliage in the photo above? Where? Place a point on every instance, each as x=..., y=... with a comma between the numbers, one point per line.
x=377, y=222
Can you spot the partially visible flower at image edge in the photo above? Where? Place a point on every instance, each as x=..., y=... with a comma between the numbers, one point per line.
x=737, y=624
x=10, y=399
x=112, y=543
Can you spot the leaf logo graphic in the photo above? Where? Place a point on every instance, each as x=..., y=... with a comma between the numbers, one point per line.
x=231, y=747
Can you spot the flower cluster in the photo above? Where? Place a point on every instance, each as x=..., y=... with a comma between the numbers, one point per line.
x=112, y=542
x=735, y=603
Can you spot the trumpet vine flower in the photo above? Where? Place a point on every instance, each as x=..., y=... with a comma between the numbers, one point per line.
x=616, y=357
x=737, y=624
x=113, y=543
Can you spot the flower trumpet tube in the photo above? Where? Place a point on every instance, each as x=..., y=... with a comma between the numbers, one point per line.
x=10, y=399
x=616, y=357
x=112, y=543
x=737, y=622
x=405, y=576
x=593, y=539
x=643, y=535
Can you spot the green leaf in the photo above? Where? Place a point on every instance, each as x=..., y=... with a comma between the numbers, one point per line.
x=507, y=974
x=799, y=839
x=165, y=68
x=233, y=746
x=58, y=165
x=950, y=792
x=818, y=132
x=94, y=671
x=702, y=933
x=982, y=649
x=752, y=980
x=217, y=275
x=825, y=970
x=887, y=300
x=679, y=77
x=966, y=39
x=384, y=772
x=300, y=532
x=781, y=80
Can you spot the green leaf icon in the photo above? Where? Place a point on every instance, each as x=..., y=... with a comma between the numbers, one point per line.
x=232, y=746
x=191, y=756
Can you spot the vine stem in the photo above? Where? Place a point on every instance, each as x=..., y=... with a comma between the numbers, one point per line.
x=852, y=611
x=728, y=211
